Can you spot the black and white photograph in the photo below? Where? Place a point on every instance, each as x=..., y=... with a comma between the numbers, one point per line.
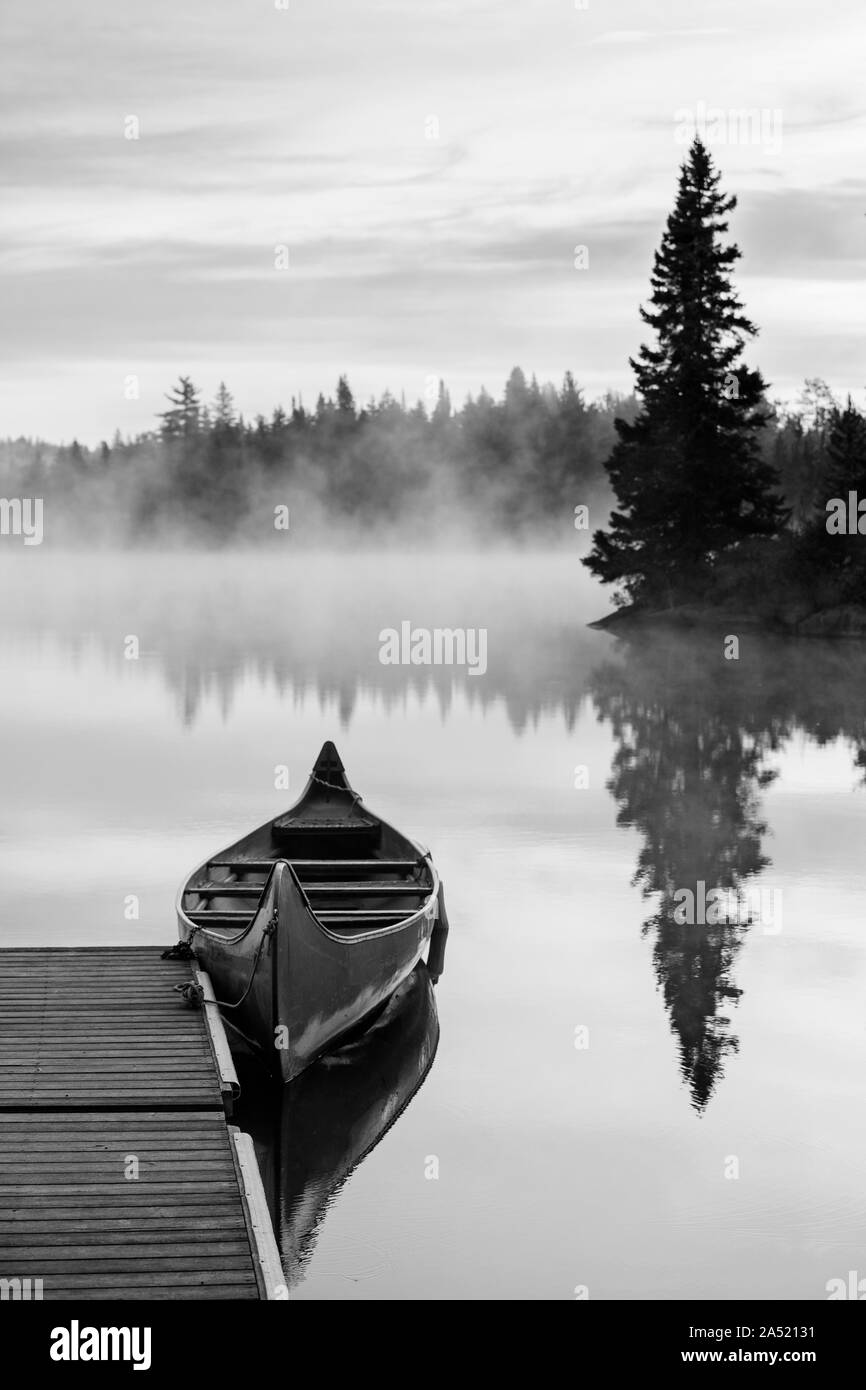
x=433, y=647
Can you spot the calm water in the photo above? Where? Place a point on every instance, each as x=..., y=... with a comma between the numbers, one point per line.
x=701, y=1050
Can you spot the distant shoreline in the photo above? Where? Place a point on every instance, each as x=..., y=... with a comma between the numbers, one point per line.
x=846, y=621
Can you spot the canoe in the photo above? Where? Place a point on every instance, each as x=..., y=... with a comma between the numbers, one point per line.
x=307, y=925
x=311, y=1136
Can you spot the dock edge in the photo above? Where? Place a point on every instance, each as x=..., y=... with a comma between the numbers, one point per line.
x=229, y=1084
x=269, y=1270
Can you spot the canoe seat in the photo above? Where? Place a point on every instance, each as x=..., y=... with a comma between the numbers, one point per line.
x=337, y=823
x=219, y=918
x=362, y=920
x=320, y=868
x=368, y=889
x=323, y=867
x=227, y=890
x=328, y=838
x=253, y=893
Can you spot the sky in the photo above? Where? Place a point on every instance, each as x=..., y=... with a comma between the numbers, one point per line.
x=272, y=192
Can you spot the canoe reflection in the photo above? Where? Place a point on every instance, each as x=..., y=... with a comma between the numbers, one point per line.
x=311, y=1134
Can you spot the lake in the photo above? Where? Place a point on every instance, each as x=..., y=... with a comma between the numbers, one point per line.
x=596, y=1098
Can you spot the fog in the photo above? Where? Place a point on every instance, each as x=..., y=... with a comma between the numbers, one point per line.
x=336, y=475
x=384, y=476
x=313, y=620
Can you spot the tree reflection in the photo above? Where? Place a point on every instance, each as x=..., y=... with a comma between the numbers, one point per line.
x=693, y=736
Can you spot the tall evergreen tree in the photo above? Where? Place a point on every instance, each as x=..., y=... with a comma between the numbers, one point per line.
x=827, y=546
x=688, y=475
x=183, y=418
x=846, y=456
x=223, y=408
x=345, y=401
x=441, y=416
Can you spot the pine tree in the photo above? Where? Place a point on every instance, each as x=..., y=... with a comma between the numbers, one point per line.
x=223, y=408
x=687, y=473
x=441, y=416
x=835, y=556
x=845, y=469
x=345, y=401
x=183, y=419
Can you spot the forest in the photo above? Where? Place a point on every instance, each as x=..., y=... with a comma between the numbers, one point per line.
x=491, y=470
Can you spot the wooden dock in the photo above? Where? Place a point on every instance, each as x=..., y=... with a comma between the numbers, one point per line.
x=120, y=1176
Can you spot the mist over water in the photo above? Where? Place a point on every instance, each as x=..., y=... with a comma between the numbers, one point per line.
x=208, y=625
x=600, y=1164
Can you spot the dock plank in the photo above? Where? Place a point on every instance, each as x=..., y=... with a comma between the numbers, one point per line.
x=74, y=1024
x=103, y=1060
x=192, y=1246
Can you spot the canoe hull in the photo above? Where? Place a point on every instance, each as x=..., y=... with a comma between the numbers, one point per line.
x=302, y=938
x=292, y=988
x=330, y=983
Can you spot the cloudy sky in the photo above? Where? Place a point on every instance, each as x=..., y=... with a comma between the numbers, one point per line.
x=430, y=167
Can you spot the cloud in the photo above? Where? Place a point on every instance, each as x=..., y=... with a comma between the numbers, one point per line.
x=821, y=232
x=626, y=36
x=431, y=170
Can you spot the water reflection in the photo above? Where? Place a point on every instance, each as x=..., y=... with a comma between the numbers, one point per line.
x=311, y=1134
x=695, y=735
x=309, y=625
x=698, y=740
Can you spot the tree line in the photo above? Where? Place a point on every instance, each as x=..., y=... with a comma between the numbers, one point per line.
x=498, y=467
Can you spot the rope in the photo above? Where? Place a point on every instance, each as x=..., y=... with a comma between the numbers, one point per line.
x=194, y=994
x=181, y=950
x=268, y=931
x=356, y=796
